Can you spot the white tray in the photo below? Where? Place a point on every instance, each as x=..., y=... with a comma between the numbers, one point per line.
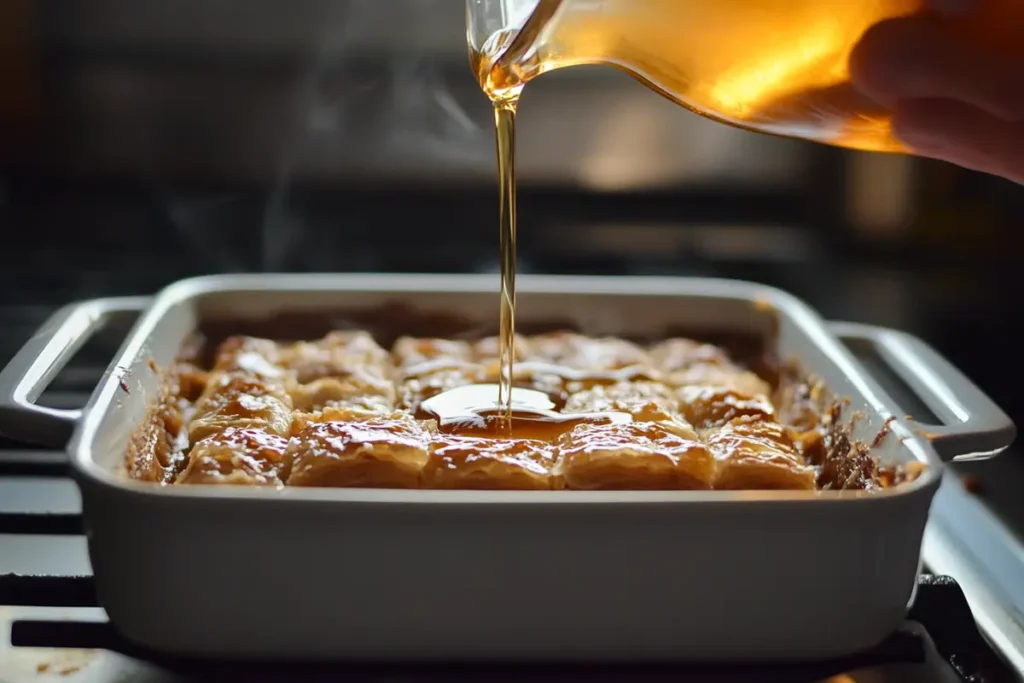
x=540, y=575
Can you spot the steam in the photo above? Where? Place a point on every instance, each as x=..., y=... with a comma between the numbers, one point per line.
x=421, y=118
x=341, y=114
x=426, y=119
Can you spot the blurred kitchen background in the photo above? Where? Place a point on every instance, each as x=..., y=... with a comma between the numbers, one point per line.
x=143, y=142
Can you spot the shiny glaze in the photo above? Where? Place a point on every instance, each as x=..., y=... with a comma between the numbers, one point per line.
x=474, y=410
x=586, y=415
x=639, y=455
x=239, y=400
x=377, y=452
x=343, y=436
x=475, y=462
x=488, y=349
x=585, y=377
x=433, y=366
x=645, y=401
x=758, y=454
x=412, y=392
x=238, y=456
x=712, y=406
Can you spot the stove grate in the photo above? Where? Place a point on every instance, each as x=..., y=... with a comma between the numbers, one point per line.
x=940, y=607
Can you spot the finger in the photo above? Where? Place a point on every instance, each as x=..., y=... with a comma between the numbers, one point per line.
x=963, y=135
x=915, y=58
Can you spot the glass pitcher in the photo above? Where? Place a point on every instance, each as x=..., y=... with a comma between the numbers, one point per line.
x=774, y=66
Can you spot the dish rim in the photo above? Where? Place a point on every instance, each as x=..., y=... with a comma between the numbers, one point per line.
x=88, y=471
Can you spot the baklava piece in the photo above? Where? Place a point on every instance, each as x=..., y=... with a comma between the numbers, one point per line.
x=342, y=369
x=361, y=389
x=412, y=391
x=577, y=352
x=757, y=455
x=337, y=355
x=645, y=401
x=187, y=382
x=675, y=355
x=241, y=456
x=250, y=356
x=527, y=375
x=380, y=452
x=157, y=452
x=487, y=350
x=565, y=363
x=712, y=406
x=409, y=352
x=633, y=456
x=244, y=401
x=707, y=374
x=712, y=391
x=466, y=462
x=426, y=367
x=154, y=451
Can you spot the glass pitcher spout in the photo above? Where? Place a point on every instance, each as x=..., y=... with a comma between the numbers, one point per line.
x=485, y=18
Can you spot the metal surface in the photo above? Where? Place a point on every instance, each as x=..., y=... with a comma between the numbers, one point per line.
x=965, y=539
x=54, y=651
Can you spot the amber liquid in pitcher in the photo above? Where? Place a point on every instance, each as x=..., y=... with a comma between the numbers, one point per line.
x=774, y=66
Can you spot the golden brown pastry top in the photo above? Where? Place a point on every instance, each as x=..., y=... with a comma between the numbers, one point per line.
x=592, y=413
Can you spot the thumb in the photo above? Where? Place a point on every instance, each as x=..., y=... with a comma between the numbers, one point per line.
x=963, y=135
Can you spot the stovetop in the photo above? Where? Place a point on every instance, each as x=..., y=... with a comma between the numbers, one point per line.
x=965, y=628
x=939, y=644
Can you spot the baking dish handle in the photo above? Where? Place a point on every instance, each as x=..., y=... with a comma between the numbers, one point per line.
x=974, y=426
x=41, y=358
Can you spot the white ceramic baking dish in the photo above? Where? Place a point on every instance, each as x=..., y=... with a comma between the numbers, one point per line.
x=550, y=575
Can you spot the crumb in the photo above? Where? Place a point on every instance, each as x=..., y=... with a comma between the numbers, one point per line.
x=883, y=432
x=42, y=668
x=124, y=386
x=152, y=364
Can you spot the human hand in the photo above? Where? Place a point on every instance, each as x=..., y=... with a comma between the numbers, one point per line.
x=950, y=99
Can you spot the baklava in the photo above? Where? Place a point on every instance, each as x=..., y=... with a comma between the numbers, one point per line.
x=611, y=414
